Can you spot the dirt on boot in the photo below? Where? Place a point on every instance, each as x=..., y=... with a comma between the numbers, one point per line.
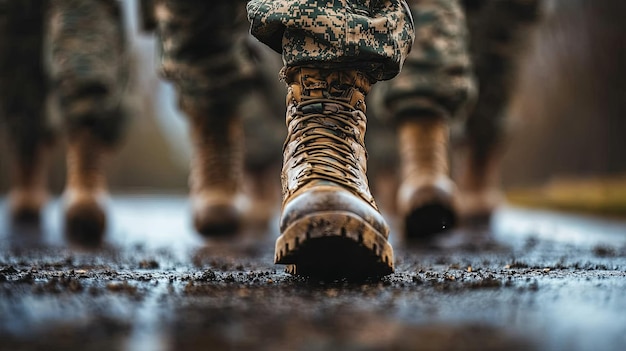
x=330, y=225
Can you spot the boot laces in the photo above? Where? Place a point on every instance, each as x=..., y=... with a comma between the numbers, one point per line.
x=328, y=128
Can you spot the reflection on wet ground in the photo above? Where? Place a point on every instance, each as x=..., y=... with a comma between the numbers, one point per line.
x=534, y=280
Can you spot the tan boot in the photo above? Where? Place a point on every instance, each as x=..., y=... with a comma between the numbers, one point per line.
x=426, y=196
x=29, y=192
x=216, y=175
x=330, y=226
x=263, y=189
x=479, y=184
x=86, y=190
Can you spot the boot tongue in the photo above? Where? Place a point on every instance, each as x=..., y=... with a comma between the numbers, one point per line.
x=314, y=87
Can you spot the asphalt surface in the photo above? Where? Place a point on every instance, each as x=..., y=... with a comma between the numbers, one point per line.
x=532, y=281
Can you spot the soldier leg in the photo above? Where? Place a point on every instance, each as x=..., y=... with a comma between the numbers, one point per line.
x=330, y=225
x=434, y=87
x=498, y=31
x=22, y=99
x=201, y=54
x=87, y=69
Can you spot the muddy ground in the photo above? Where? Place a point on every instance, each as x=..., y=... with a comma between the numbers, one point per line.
x=532, y=281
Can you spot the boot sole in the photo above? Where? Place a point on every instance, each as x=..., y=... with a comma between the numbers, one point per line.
x=334, y=245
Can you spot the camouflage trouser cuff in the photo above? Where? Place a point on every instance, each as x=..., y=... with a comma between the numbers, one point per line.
x=94, y=101
x=438, y=96
x=203, y=52
x=218, y=82
x=87, y=64
x=373, y=38
x=437, y=76
x=106, y=124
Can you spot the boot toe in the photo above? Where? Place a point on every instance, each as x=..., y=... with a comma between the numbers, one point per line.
x=328, y=233
x=25, y=206
x=428, y=206
x=217, y=216
x=331, y=199
x=85, y=222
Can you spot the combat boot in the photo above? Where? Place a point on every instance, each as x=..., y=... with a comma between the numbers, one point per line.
x=86, y=190
x=28, y=191
x=330, y=225
x=479, y=184
x=426, y=197
x=217, y=174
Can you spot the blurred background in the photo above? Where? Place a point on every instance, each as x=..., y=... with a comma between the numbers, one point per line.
x=567, y=119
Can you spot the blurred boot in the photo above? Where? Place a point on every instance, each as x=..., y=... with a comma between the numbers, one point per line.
x=263, y=187
x=217, y=175
x=86, y=189
x=87, y=67
x=426, y=197
x=29, y=192
x=330, y=225
x=479, y=185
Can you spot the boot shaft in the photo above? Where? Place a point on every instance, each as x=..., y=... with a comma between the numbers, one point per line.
x=423, y=147
x=217, y=160
x=86, y=156
x=427, y=197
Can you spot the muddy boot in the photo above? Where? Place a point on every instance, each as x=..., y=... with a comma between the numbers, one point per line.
x=86, y=191
x=479, y=184
x=216, y=175
x=426, y=196
x=330, y=226
x=29, y=192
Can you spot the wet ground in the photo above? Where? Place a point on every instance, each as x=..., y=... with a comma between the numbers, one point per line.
x=533, y=281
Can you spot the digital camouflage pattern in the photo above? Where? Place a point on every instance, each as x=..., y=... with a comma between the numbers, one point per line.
x=437, y=77
x=455, y=69
x=372, y=36
x=87, y=64
x=204, y=53
x=448, y=63
x=220, y=71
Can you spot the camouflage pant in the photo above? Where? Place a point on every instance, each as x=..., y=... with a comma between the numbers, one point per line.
x=373, y=37
x=203, y=52
x=438, y=78
x=448, y=65
x=218, y=72
x=79, y=59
